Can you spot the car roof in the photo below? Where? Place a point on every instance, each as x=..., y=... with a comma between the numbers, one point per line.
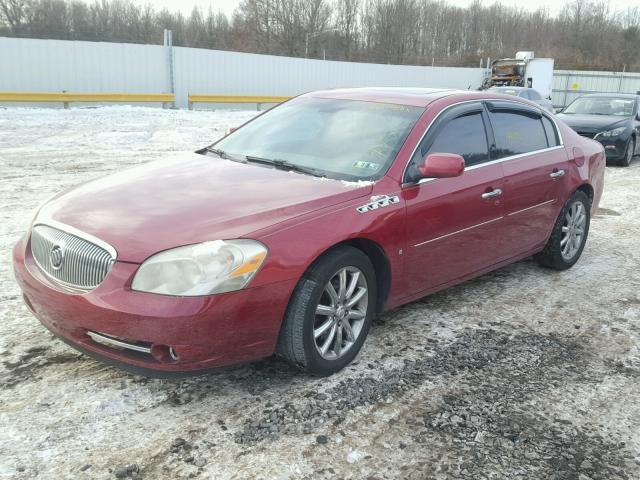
x=508, y=88
x=610, y=95
x=419, y=97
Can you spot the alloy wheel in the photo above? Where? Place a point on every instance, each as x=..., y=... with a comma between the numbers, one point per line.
x=341, y=313
x=573, y=228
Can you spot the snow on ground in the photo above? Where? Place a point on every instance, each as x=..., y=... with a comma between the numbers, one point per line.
x=522, y=373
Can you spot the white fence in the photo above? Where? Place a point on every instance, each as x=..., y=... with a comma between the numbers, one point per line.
x=567, y=85
x=59, y=65
x=31, y=65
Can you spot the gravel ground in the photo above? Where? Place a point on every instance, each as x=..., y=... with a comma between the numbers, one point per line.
x=522, y=373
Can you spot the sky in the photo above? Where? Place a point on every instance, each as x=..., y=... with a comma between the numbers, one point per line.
x=228, y=6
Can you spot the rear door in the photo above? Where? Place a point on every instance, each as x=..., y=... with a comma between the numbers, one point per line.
x=534, y=165
x=453, y=224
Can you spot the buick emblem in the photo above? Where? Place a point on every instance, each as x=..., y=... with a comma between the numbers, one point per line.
x=56, y=257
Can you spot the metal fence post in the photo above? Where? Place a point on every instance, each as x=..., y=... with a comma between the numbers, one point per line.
x=620, y=82
x=168, y=44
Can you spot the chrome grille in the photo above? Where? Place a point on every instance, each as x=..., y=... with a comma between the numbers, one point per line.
x=70, y=260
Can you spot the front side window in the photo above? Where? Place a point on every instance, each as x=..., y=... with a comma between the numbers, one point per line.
x=517, y=133
x=343, y=139
x=618, y=106
x=464, y=135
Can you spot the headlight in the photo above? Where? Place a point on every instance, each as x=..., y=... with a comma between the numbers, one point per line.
x=611, y=133
x=201, y=269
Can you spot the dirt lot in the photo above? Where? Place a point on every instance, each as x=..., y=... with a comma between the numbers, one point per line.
x=523, y=373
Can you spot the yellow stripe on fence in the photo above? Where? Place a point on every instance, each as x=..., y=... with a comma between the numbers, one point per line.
x=67, y=97
x=203, y=98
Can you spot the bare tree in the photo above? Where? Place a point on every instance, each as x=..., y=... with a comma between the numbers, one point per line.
x=14, y=13
x=586, y=34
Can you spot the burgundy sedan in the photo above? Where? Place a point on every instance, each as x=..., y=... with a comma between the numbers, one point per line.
x=288, y=235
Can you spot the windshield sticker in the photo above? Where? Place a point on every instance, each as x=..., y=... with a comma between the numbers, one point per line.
x=366, y=165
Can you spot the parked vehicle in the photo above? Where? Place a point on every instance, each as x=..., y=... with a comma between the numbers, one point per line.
x=527, y=94
x=289, y=234
x=613, y=119
x=525, y=70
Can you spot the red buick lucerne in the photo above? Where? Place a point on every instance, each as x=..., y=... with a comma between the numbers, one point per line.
x=289, y=234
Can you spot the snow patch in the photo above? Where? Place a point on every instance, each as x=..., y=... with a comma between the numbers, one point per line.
x=357, y=183
x=355, y=456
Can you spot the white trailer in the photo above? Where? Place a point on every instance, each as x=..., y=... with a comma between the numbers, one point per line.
x=522, y=71
x=539, y=75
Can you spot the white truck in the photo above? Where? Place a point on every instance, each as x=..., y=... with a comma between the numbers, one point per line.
x=522, y=71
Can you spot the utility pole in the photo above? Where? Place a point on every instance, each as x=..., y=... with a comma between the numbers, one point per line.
x=315, y=34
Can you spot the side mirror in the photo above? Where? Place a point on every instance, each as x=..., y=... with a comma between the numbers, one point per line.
x=441, y=165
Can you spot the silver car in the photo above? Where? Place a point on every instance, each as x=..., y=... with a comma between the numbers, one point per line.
x=526, y=93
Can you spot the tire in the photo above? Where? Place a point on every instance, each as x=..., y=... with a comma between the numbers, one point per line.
x=298, y=343
x=628, y=154
x=556, y=254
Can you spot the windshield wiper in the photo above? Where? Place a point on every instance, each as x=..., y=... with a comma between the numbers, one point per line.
x=225, y=155
x=283, y=164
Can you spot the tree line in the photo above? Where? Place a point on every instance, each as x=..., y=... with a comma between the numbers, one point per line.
x=584, y=35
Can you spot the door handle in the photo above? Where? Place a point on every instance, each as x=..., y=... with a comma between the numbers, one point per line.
x=493, y=193
x=557, y=174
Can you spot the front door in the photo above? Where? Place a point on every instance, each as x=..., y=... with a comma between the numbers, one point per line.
x=453, y=224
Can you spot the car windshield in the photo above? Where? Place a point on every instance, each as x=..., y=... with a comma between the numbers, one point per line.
x=341, y=139
x=621, y=107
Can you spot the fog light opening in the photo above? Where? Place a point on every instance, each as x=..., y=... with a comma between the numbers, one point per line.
x=173, y=354
x=164, y=353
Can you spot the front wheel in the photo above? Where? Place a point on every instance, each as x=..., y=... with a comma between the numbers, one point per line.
x=569, y=234
x=330, y=312
x=628, y=154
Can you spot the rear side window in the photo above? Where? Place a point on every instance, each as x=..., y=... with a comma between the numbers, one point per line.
x=517, y=133
x=550, y=131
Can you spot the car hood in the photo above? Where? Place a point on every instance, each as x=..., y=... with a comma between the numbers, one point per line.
x=592, y=123
x=191, y=198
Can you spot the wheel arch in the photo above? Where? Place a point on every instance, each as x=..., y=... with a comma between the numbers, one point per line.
x=379, y=259
x=588, y=190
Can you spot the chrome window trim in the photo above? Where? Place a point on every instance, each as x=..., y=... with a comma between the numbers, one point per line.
x=555, y=124
x=78, y=233
x=492, y=162
x=486, y=164
x=459, y=231
x=514, y=157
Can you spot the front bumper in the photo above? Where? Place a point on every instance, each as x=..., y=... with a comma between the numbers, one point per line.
x=181, y=334
x=615, y=148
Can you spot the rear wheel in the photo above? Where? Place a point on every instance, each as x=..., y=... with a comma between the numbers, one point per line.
x=330, y=312
x=569, y=234
x=628, y=154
